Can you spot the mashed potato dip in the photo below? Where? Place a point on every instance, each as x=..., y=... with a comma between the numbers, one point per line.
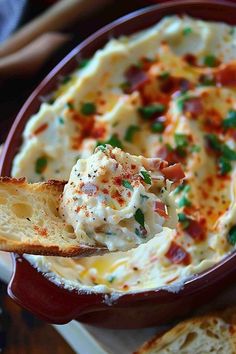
x=168, y=92
x=112, y=199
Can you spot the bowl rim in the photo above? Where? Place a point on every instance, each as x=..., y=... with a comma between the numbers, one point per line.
x=194, y=281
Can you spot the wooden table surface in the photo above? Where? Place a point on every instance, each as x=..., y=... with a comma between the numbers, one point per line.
x=21, y=332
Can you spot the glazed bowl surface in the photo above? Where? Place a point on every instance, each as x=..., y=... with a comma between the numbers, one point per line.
x=54, y=304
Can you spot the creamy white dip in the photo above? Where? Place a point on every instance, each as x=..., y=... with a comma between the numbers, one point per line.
x=168, y=92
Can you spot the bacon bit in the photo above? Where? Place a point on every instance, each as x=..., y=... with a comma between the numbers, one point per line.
x=193, y=106
x=190, y=59
x=160, y=208
x=213, y=120
x=177, y=254
x=170, y=156
x=41, y=231
x=226, y=75
x=196, y=229
x=89, y=189
x=40, y=129
x=136, y=78
x=173, y=172
x=125, y=287
x=133, y=167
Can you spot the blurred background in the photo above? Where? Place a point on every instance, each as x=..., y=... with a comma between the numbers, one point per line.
x=34, y=36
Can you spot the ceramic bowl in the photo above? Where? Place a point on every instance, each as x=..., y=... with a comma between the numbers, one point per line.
x=54, y=304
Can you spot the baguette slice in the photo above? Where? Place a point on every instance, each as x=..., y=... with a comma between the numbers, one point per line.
x=200, y=335
x=30, y=222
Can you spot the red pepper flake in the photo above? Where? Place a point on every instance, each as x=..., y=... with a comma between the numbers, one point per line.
x=177, y=254
x=160, y=208
x=41, y=231
x=40, y=129
x=105, y=191
x=117, y=196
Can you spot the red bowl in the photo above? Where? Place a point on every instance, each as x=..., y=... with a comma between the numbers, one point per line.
x=54, y=304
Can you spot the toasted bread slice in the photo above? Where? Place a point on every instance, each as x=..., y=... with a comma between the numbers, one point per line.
x=200, y=335
x=30, y=222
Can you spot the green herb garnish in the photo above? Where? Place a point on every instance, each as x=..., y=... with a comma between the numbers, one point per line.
x=88, y=108
x=146, y=177
x=183, y=219
x=210, y=60
x=224, y=166
x=132, y=129
x=147, y=112
x=83, y=63
x=181, y=140
x=184, y=201
x=70, y=105
x=113, y=141
x=232, y=235
x=127, y=184
x=187, y=31
x=139, y=217
x=195, y=148
x=165, y=75
x=111, y=278
x=180, y=101
x=61, y=120
x=230, y=120
x=41, y=164
x=144, y=197
x=157, y=127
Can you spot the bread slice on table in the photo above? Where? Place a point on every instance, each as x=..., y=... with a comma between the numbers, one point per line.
x=30, y=222
x=214, y=334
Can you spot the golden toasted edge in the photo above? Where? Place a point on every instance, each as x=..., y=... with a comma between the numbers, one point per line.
x=53, y=250
x=36, y=248
x=162, y=338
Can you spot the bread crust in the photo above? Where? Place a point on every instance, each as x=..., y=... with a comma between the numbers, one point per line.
x=38, y=244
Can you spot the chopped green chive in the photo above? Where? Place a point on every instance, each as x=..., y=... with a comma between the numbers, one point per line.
x=61, y=120
x=224, y=166
x=182, y=188
x=70, y=105
x=195, y=148
x=165, y=75
x=230, y=120
x=232, y=235
x=214, y=141
x=65, y=79
x=139, y=217
x=88, y=108
x=101, y=147
x=143, y=197
x=228, y=153
x=180, y=101
x=83, y=63
x=187, y=31
x=41, y=164
x=146, y=177
x=183, y=220
x=157, y=127
x=210, y=60
x=132, y=129
x=147, y=112
x=111, y=278
x=113, y=141
x=184, y=201
x=181, y=140
x=127, y=184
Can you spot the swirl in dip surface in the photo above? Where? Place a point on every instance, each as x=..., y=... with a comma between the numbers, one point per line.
x=168, y=92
